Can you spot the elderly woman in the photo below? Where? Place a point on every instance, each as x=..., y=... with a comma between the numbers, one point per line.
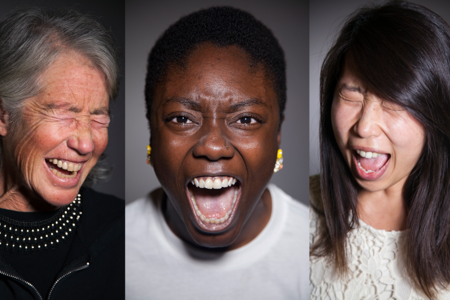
x=215, y=95
x=58, y=240
x=381, y=216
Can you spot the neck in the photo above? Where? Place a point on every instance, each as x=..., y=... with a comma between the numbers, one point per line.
x=15, y=197
x=384, y=209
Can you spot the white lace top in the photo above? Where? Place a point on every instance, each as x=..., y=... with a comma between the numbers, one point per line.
x=376, y=272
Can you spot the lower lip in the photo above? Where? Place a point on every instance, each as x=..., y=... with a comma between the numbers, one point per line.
x=210, y=227
x=64, y=182
x=373, y=175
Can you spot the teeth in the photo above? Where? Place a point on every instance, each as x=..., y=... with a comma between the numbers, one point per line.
x=367, y=171
x=209, y=184
x=213, y=182
x=65, y=165
x=61, y=175
x=213, y=220
x=368, y=154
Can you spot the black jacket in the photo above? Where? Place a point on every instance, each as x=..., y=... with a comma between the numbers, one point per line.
x=95, y=265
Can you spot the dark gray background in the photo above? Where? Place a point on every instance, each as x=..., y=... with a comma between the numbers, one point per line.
x=111, y=15
x=288, y=19
x=326, y=19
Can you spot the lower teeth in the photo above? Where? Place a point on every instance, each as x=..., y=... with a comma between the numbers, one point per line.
x=61, y=175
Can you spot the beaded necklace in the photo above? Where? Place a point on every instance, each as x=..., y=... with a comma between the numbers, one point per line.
x=34, y=237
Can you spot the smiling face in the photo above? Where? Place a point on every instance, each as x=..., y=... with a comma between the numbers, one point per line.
x=215, y=136
x=63, y=132
x=380, y=140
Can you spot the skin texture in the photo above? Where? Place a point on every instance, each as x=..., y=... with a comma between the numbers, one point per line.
x=67, y=120
x=362, y=120
x=198, y=129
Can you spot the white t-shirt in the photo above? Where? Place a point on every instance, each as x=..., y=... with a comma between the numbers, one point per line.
x=275, y=265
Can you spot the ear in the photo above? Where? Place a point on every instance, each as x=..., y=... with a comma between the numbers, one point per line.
x=4, y=117
x=279, y=132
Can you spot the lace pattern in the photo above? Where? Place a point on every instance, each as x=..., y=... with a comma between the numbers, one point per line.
x=376, y=269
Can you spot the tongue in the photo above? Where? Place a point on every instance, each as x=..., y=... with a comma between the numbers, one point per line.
x=214, y=203
x=373, y=164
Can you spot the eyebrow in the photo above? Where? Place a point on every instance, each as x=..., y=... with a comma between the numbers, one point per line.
x=69, y=107
x=184, y=101
x=233, y=107
x=352, y=88
x=246, y=103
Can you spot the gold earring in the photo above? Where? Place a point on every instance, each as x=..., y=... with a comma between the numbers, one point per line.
x=149, y=151
x=279, y=162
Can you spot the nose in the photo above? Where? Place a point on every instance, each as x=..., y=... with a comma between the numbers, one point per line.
x=213, y=144
x=368, y=123
x=81, y=139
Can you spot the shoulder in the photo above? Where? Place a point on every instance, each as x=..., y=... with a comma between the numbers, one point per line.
x=100, y=212
x=144, y=206
x=293, y=206
x=97, y=200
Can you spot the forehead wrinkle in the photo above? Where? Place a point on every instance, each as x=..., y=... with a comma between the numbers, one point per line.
x=191, y=104
x=71, y=108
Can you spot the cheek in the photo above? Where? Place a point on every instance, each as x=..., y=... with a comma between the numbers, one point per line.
x=408, y=138
x=100, y=139
x=340, y=122
x=31, y=142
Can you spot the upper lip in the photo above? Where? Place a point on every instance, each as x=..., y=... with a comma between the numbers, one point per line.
x=368, y=149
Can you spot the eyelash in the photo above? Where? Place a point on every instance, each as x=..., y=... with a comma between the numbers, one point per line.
x=253, y=120
x=174, y=119
x=384, y=104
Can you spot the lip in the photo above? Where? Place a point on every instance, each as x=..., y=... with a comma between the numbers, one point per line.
x=65, y=182
x=368, y=149
x=210, y=227
x=369, y=176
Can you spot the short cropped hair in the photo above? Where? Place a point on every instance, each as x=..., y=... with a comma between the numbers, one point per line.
x=221, y=26
x=30, y=41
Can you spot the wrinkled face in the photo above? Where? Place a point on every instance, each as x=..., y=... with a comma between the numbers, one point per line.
x=63, y=130
x=380, y=140
x=214, y=141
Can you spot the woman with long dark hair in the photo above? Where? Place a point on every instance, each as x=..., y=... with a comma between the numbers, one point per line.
x=380, y=218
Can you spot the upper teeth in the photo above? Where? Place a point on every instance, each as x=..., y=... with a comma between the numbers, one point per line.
x=368, y=154
x=69, y=166
x=213, y=182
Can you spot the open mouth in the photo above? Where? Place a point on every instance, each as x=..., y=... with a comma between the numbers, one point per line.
x=62, y=168
x=214, y=200
x=371, y=165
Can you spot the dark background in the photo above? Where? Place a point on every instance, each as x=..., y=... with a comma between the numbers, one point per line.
x=111, y=15
x=289, y=21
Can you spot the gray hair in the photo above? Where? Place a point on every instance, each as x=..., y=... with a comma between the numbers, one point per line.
x=30, y=41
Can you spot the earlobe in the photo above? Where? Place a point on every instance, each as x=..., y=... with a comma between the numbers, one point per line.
x=4, y=117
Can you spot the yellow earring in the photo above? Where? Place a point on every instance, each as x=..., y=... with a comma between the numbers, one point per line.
x=149, y=151
x=279, y=162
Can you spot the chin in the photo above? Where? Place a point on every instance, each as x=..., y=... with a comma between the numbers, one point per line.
x=206, y=240
x=59, y=198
